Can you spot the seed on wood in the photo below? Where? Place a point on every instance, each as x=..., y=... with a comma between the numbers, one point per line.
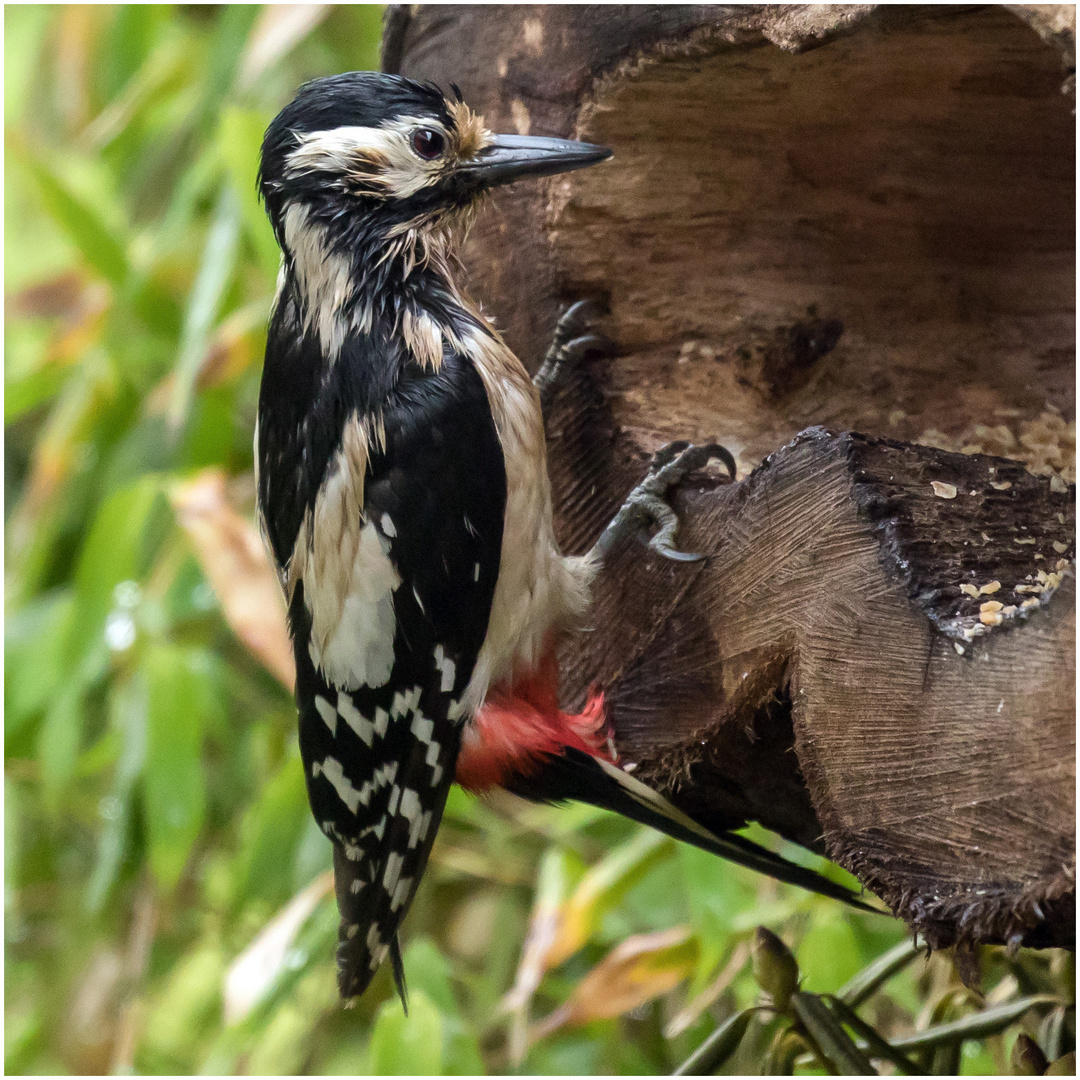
x=990, y=587
x=943, y=491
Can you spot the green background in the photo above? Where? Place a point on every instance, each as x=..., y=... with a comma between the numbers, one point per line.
x=156, y=819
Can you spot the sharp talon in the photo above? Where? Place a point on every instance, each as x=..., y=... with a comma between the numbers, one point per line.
x=579, y=313
x=716, y=452
x=674, y=553
x=666, y=454
x=579, y=346
x=573, y=339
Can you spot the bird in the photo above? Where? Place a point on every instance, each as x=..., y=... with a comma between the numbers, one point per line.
x=404, y=497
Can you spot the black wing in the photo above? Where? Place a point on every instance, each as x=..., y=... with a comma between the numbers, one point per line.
x=379, y=760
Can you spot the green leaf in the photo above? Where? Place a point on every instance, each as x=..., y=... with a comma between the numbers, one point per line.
x=35, y=388
x=875, y=1044
x=240, y=142
x=25, y=29
x=832, y=1041
x=58, y=743
x=215, y=273
x=429, y=972
x=234, y=23
x=187, y=1002
x=174, y=800
x=111, y=553
x=271, y=831
x=603, y=886
x=12, y=818
x=866, y=983
x=33, y=644
x=977, y=1025
x=407, y=1045
x=129, y=707
x=829, y=953
x=130, y=38
x=716, y=893
x=81, y=223
x=718, y=1047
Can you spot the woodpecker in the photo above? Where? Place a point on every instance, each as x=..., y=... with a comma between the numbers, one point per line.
x=404, y=496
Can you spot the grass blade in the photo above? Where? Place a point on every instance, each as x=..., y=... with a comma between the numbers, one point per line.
x=215, y=273
x=835, y=1045
x=718, y=1047
x=875, y=1044
x=976, y=1026
x=863, y=985
x=81, y=224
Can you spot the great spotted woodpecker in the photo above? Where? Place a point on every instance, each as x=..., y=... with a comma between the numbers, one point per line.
x=403, y=492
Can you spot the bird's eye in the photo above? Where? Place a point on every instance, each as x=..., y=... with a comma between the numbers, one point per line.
x=428, y=144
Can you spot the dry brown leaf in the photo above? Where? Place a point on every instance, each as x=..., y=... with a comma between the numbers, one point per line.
x=641, y=968
x=252, y=973
x=236, y=564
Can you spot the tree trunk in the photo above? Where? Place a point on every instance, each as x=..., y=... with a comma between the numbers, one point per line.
x=845, y=215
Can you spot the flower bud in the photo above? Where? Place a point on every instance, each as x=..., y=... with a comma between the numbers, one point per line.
x=775, y=968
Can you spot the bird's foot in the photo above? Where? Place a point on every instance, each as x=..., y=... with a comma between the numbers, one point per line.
x=575, y=338
x=647, y=503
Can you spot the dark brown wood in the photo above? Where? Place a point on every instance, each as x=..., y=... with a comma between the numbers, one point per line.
x=843, y=215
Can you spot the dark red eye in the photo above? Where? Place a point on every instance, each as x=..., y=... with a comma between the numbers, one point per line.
x=428, y=144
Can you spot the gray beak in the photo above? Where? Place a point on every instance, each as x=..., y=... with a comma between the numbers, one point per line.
x=511, y=157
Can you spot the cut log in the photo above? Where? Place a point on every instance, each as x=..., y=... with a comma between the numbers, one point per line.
x=905, y=618
x=845, y=215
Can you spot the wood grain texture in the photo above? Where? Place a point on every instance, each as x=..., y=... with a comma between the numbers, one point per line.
x=845, y=215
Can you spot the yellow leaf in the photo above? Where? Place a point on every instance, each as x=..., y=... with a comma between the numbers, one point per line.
x=601, y=888
x=641, y=968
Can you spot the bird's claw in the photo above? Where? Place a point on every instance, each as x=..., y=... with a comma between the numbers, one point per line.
x=573, y=340
x=647, y=503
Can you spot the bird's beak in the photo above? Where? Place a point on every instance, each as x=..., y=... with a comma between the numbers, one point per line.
x=510, y=157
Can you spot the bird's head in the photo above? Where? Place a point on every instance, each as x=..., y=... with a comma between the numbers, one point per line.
x=371, y=157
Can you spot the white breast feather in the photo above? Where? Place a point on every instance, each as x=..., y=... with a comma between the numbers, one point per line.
x=538, y=589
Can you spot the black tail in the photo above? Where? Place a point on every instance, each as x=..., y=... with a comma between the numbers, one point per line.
x=580, y=777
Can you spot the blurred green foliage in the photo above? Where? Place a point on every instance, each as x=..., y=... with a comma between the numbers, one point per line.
x=166, y=895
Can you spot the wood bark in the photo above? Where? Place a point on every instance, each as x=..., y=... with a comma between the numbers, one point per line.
x=849, y=216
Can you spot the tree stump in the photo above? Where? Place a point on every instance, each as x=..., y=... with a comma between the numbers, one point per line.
x=849, y=216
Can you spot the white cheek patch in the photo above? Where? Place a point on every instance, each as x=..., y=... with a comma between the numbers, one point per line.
x=380, y=159
x=325, y=279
